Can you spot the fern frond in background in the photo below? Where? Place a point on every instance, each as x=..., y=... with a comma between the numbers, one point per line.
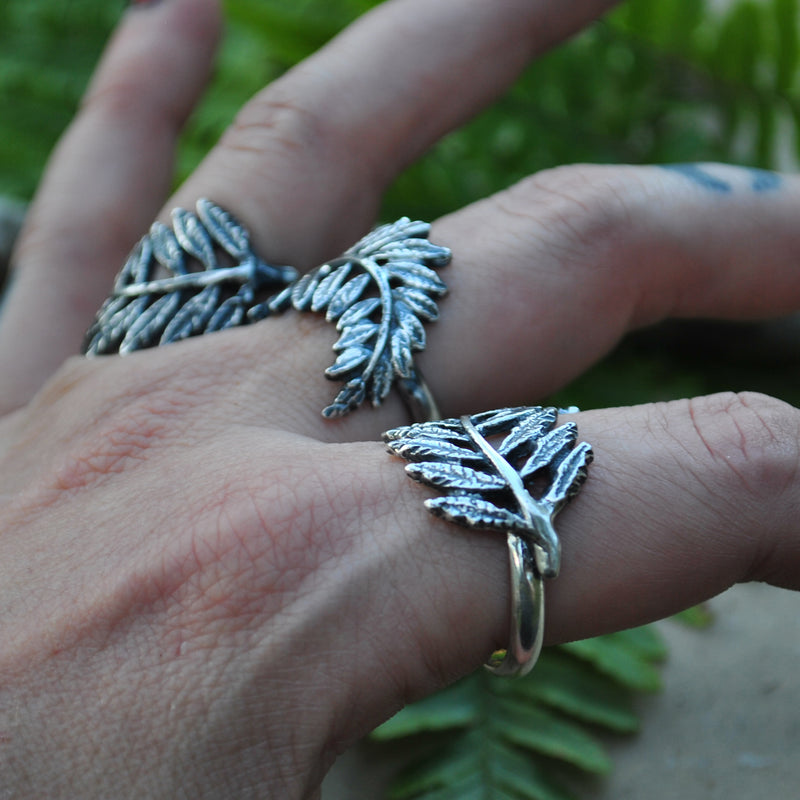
x=493, y=738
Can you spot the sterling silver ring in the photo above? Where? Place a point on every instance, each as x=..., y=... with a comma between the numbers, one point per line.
x=378, y=293
x=200, y=275
x=516, y=487
x=197, y=276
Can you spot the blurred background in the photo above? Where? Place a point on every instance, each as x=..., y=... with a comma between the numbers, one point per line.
x=657, y=81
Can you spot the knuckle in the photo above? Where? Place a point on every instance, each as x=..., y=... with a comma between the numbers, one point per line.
x=293, y=134
x=122, y=103
x=276, y=119
x=753, y=437
x=124, y=415
x=589, y=206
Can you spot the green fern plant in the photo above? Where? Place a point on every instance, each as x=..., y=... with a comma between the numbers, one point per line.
x=509, y=739
x=657, y=81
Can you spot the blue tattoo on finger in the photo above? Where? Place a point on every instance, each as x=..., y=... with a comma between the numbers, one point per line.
x=760, y=180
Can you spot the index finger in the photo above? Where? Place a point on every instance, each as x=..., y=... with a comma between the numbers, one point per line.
x=307, y=160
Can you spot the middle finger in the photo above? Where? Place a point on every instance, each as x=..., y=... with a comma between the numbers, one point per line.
x=306, y=162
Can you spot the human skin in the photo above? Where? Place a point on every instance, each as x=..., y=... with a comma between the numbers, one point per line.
x=208, y=590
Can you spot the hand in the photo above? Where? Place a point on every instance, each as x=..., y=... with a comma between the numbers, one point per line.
x=209, y=590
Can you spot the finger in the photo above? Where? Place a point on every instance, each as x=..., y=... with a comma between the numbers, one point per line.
x=545, y=279
x=686, y=499
x=306, y=162
x=579, y=256
x=104, y=184
x=683, y=500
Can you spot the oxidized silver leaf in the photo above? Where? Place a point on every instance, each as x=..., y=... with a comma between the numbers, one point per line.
x=450, y=430
x=454, y=476
x=525, y=434
x=475, y=513
x=402, y=359
x=410, y=323
x=149, y=325
x=348, y=360
x=224, y=228
x=550, y=448
x=357, y=334
x=346, y=296
x=489, y=489
x=422, y=305
x=393, y=289
x=420, y=448
x=328, y=287
x=569, y=476
x=351, y=395
x=302, y=291
x=193, y=237
x=166, y=250
x=157, y=299
x=193, y=315
x=382, y=380
x=358, y=311
x=500, y=421
x=230, y=314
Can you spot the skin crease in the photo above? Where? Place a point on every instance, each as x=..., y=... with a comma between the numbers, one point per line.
x=209, y=591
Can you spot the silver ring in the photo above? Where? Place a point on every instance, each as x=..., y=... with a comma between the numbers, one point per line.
x=378, y=293
x=200, y=275
x=197, y=276
x=517, y=487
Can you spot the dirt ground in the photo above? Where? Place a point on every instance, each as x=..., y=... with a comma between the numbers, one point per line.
x=725, y=727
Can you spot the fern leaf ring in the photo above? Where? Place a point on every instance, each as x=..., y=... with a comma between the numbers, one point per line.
x=516, y=487
x=196, y=276
x=378, y=294
x=200, y=275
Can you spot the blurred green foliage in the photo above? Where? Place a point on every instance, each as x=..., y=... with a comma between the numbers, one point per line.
x=657, y=81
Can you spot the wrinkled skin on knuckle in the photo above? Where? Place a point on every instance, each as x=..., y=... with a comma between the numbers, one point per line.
x=276, y=120
x=579, y=226
x=751, y=446
x=287, y=141
x=582, y=210
x=752, y=437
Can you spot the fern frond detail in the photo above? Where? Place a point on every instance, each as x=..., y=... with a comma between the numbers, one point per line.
x=518, y=487
x=198, y=276
x=511, y=739
x=378, y=293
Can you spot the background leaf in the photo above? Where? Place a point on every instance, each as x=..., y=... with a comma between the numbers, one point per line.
x=533, y=728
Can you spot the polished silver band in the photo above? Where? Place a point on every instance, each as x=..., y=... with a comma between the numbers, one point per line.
x=516, y=487
x=526, y=631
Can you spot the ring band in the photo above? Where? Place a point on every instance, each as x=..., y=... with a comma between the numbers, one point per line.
x=197, y=276
x=517, y=487
x=526, y=631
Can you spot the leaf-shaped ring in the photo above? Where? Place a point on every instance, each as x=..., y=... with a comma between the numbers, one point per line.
x=378, y=293
x=197, y=276
x=517, y=487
